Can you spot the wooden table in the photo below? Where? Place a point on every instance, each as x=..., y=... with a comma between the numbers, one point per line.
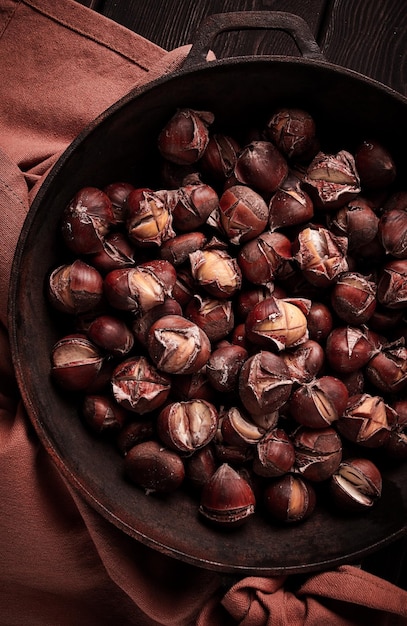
x=364, y=35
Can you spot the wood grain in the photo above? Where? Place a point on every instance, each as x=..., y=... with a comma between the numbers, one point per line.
x=169, y=32
x=369, y=37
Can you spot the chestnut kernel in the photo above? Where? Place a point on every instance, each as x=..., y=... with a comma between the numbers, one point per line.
x=75, y=362
x=367, y=420
x=187, y=426
x=356, y=485
x=178, y=346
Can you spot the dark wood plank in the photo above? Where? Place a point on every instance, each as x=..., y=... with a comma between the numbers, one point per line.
x=369, y=37
x=179, y=22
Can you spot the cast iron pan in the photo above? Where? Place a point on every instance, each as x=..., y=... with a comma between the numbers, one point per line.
x=120, y=145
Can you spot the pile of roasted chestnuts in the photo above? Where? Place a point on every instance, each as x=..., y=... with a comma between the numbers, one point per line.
x=238, y=330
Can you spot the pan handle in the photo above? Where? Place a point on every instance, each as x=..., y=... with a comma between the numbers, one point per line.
x=215, y=24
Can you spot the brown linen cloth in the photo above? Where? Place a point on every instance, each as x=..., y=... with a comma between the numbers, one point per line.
x=61, y=563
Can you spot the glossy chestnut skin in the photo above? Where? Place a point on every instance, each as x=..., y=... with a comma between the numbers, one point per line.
x=224, y=365
x=192, y=205
x=154, y=468
x=357, y=221
x=387, y=369
x=293, y=131
x=353, y=298
x=265, y=257
x=305, y=361
x=375, y=165
x=75, y=288
x=319, y=321
x=102, y=414
x=289, y=499
x=274, y=454
x=213, y=315
x=348, y=348
x=392, y=284
x=290, y=205
x=262, y=166
x=219, y=158
x=111, y=334
x=227, y=499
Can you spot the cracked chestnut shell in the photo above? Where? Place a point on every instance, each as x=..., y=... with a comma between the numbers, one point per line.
x=356, y=485
x=75, y=362
x=274, y=454
x=289, y=499
x=332, y=179
x=141, y=288
x=387, y=369
x=184, y=137
x=293, y=131
x=75, y=288
x=148, y=217
x=138, y=386
x=178, y=346
x=278, y=323
x=187, y=426
x=319, y=403
x=320, y=254
x=86, y=220
x=227, y=499
x=243, y=213
x=238, y=429
x=353, y=298
x=264, y=383
x=318, y=452
x=367, y=420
